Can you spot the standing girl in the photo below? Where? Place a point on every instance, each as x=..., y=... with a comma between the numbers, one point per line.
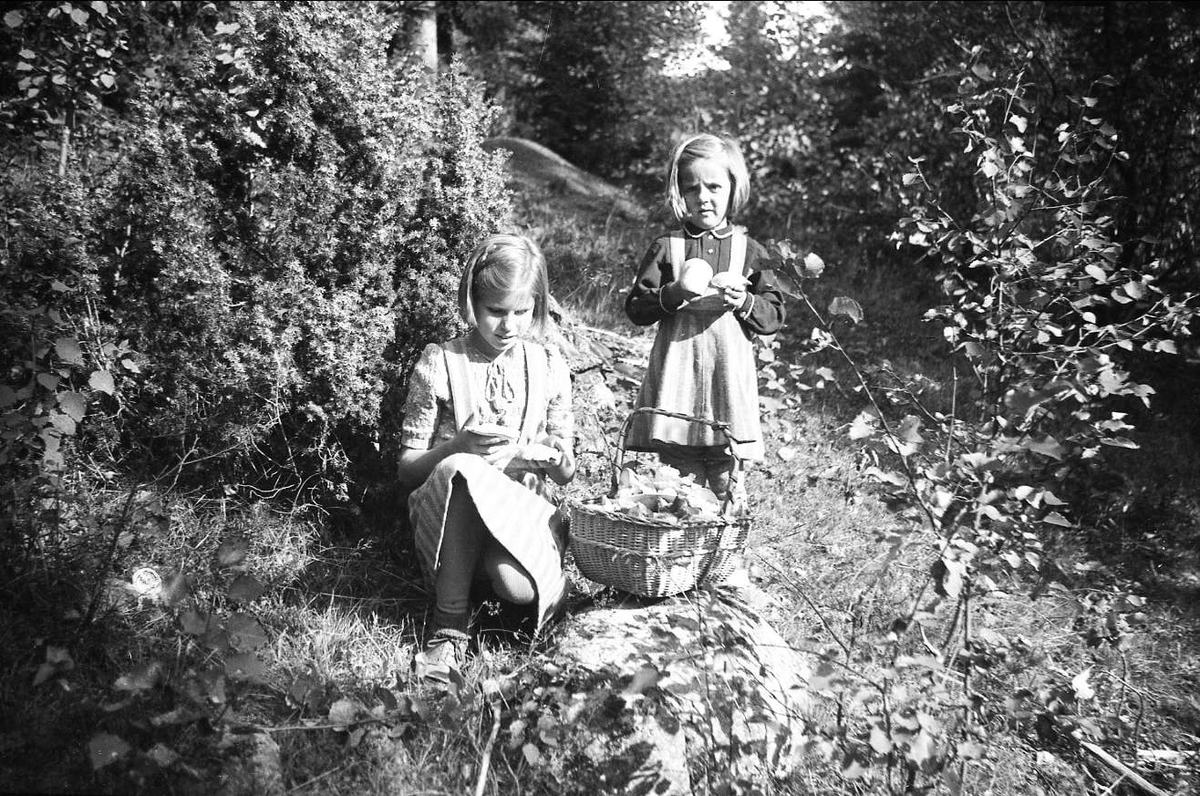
x=705, y=287
x=487, y=420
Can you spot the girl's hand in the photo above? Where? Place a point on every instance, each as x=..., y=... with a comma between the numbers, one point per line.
x=467, y=441
x=678, y=292
x=480, y=441
x=564, y=470
x=732, y=288
x=416, y=465
x=733, y=297
x=502, y=456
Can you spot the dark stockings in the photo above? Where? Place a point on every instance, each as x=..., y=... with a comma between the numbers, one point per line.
x=469, y=549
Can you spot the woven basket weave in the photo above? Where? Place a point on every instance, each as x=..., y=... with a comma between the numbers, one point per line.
x=654, y=558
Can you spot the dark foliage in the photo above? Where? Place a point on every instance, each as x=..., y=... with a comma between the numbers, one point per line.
x=271, y=235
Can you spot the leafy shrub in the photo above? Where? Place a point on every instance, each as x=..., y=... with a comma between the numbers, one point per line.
x=62, y=363
x=1040, y=301
x=279, y=239
x=1044, y=315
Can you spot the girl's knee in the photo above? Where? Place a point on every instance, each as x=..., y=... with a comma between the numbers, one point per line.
x=451, y=467
x=509, y=579
x=718, y=469
x=719, y=483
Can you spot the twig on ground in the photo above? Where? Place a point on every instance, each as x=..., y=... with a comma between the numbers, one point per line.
x=486, y=761
x=1128, y=773
x=318, y=778
x=253, y=728
x=811, y=605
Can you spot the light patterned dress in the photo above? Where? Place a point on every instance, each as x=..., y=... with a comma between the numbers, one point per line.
x=528, y=389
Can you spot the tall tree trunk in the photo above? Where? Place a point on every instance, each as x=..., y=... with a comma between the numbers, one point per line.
x=445, y=35
x=423, y=39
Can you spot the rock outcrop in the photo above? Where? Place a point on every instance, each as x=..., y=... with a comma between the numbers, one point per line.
x=537, y=170
x=694, y=693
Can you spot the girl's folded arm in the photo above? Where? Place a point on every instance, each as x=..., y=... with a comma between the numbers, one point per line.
x=652, y=296
x=415, y=465
x=764, y=312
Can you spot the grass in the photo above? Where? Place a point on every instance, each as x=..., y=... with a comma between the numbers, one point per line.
x=338, y=619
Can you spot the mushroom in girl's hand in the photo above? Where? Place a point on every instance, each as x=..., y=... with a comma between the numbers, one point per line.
x=537, y=453
x=493, y=430
x=728, y=279
x=695, y=274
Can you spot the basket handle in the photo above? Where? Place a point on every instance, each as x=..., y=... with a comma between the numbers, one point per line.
x=718, y=425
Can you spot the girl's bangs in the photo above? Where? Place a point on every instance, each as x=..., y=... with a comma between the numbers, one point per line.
x=499, y=280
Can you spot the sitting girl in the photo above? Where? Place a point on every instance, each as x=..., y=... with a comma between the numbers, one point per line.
x=487, y=419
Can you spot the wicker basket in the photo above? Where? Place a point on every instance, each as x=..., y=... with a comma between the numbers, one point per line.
x=655, y=558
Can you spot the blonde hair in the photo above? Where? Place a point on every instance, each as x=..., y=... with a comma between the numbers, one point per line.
x=709, y=147
x=503, y=264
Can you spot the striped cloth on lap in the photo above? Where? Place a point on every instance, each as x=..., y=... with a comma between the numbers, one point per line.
x=527, y=525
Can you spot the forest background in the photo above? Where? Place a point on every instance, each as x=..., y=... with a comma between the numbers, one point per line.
x=229, y=228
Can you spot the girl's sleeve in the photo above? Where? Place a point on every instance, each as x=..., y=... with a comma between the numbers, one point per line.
x=764, y=311
x=644, y=305
x=560, y=417
x=428, y=394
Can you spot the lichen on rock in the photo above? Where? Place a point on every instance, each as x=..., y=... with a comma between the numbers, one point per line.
x=660, y=696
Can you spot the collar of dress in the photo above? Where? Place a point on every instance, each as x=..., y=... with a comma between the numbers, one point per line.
x=724, y=231
x=481, y=352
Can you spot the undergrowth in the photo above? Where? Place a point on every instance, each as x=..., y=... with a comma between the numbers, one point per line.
x=155, y=641
x=338, y=626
